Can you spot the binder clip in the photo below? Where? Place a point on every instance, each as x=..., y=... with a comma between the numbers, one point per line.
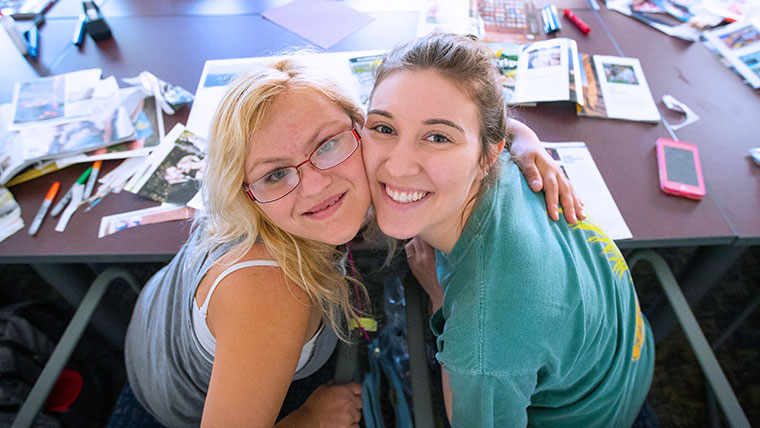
x=95, y=25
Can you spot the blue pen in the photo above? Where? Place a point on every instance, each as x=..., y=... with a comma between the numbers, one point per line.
x=547, y=20
x=79, y=31
x=555, y=17
x=33, y=36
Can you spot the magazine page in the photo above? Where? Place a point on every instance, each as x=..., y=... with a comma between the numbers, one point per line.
x=505, y=57
x=363, y=70
x=739, y=43
x=176, y=170
x=593, y=101
x=106, y=123
x=576, y=162
x=624, y=88
x=574, y=74
x=145, y=118
x=55, y=99
x=11, y=155
x=217, y=75
x=542, y=71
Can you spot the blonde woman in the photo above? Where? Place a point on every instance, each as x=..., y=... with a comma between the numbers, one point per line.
x=257, y=296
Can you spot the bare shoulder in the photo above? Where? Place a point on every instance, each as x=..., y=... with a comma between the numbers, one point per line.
x=258, y=294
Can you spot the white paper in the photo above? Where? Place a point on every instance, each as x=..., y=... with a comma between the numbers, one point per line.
x=217, y=74
x=575, y=159
x=150, y=163
x=624, y=88
x=76, y=198
x=543, y=72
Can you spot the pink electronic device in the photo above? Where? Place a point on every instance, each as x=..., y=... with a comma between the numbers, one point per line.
x=680, y=170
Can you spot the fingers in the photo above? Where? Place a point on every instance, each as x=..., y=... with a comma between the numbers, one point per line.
x=355, y=387
x=566, y=198
x=579, y=207
x=551, y=191
x=533, y=177
x=409, y=248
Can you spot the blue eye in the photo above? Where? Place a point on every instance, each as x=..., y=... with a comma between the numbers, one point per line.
x=326, y=147
x=276, y=176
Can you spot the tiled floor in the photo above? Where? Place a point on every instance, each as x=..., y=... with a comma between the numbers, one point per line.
x=678, y=391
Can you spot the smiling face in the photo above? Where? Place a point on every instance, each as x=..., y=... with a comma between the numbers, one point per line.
x=327, y=206
x=422, y=155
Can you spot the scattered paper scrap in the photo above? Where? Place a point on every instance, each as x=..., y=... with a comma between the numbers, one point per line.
x=575, y=160
x=322, y=22
x=674, y=104
x=114, y=223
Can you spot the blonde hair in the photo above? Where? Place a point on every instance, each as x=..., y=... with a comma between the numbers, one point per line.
x=232, y=217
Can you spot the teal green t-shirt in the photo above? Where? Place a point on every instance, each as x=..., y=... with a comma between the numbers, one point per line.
x=540, y=324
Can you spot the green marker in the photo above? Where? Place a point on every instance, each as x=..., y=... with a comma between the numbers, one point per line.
x=67, y=197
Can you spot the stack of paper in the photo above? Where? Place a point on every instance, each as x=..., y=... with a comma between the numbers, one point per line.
x=739, y=44
x=53, y=117
x=553, y=70
x=10, y=215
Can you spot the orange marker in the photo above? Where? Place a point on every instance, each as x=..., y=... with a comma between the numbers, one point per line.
x=44, y=208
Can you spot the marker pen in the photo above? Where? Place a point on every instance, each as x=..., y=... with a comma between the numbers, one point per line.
x=44, y=208
x=33, y=36
x=67, y=197
x=79, y=31
x=577, y=21
x=93, y=178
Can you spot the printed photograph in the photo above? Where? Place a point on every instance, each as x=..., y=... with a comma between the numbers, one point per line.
x=540, y=58
x=504, y=57
x=553, y=153
x=40, y=99
x=620, y=73
x=76, y=137
x=222, y=79
x=744, y=36
x=178, y=177
x=363, y=68
x=593, y=101
x=752, y=60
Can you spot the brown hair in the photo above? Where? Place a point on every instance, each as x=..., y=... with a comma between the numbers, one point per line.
x=467, y=63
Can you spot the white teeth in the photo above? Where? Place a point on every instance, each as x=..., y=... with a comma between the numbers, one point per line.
x=404, y=197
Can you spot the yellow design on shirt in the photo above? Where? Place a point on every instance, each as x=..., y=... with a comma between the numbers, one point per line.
x=620, y=267
x=610, y=250
x=638, y=341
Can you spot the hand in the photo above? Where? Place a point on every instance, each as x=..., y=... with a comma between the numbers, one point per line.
x=336, y=406
x=542, y=173
x=421, y=258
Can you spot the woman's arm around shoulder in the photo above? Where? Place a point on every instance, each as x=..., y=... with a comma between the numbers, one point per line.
x=260, y=322
x=543, y=173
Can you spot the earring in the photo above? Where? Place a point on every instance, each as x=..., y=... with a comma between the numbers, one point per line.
x=485, y=173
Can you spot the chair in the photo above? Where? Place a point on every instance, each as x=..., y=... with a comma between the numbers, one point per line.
x=716, y=379
x=76, y=327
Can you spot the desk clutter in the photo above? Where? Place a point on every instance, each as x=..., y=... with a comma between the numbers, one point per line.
x=78, y=117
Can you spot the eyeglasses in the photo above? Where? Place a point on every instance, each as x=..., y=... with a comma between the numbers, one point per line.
x=280, y=182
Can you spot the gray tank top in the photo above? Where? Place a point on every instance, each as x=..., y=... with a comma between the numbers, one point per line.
x=167, y=368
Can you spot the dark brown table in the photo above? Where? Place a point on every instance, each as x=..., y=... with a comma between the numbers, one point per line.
x=174, y=39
